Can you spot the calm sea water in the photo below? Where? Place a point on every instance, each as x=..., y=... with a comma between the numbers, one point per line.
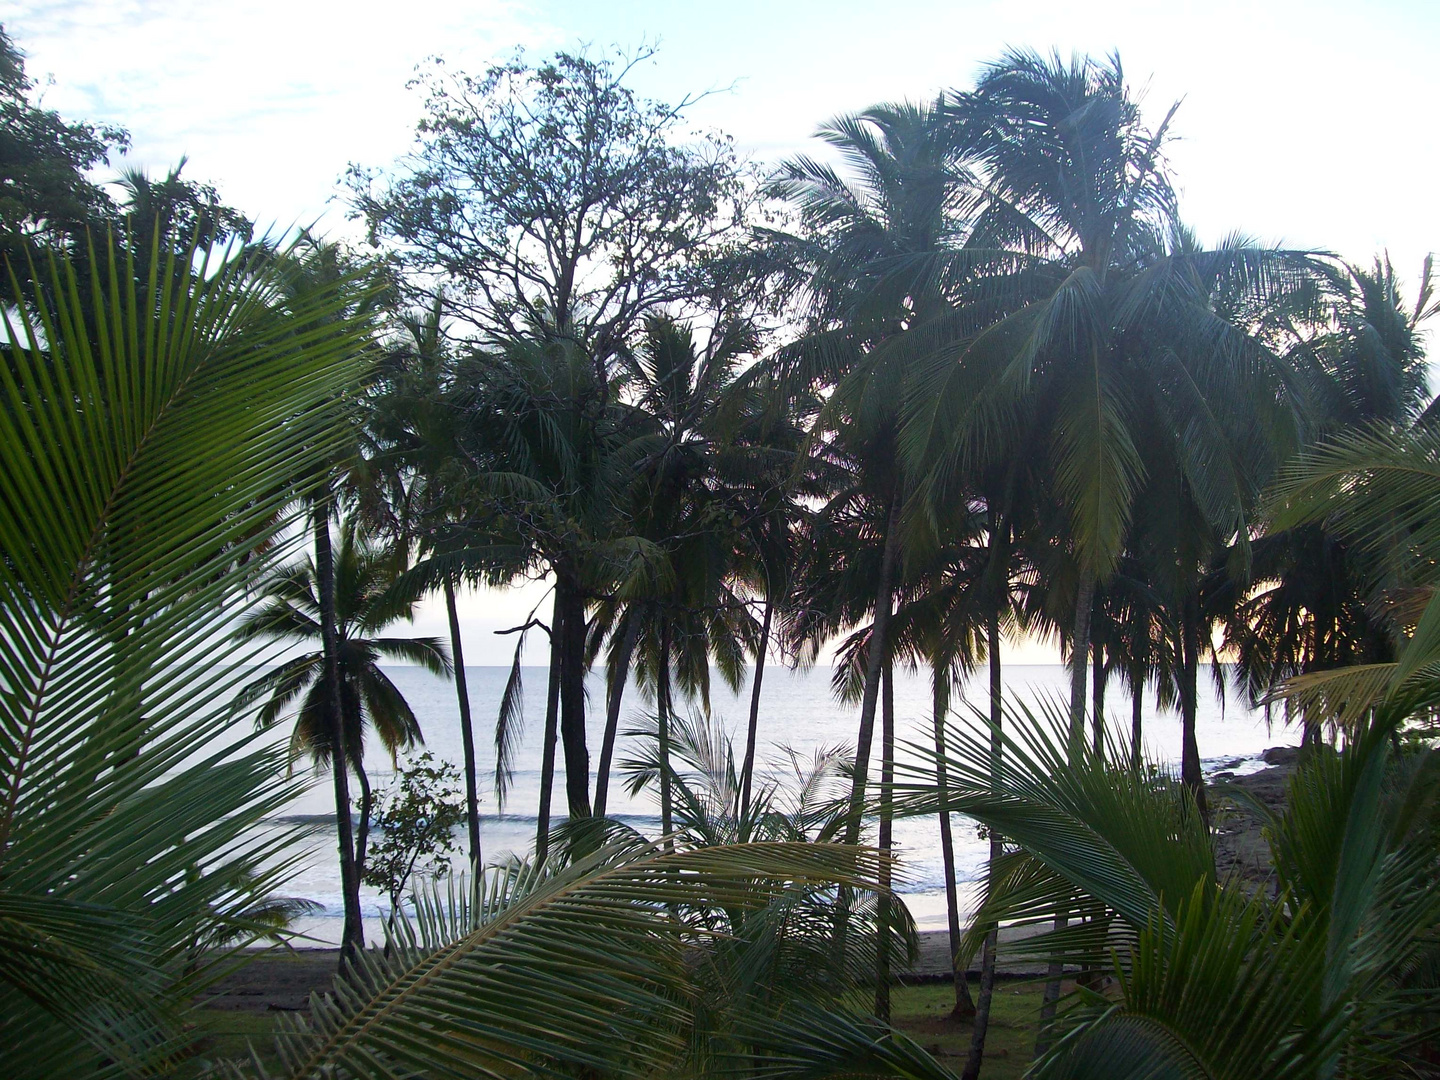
x=798, y=712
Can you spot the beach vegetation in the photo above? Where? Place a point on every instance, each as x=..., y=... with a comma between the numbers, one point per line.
x=961, y=377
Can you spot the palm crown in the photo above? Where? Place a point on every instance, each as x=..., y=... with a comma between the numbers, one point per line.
x=364, y=607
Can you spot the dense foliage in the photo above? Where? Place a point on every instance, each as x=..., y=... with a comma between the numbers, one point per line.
x=962, y=375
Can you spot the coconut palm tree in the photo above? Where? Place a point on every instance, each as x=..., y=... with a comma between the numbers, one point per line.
x=289, y=611
x=120, y=573
x=689, y=614
x=1205, y=970
x=762, y=470
x=1129, y=343
x=1314, y=606
x=410, y=426
x=540, y=459
x=862, y=235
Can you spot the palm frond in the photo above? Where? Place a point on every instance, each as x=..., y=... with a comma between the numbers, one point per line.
x=523, y=985
x=127, y=555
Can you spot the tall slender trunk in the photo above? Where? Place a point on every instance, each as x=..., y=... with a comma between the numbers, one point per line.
x=467, y=733
x=1097, y=696
x=1189, y=677
x=1079, y=661
x=964, y=1006
x=874, y=662
x=1053, y=977
x=362, y=829
x=352, y=937
x=986, y=997
x=662, y=710
x=552, y=730
x=1079, y=665
x=887, y=835
x=747, y=770
x=618, y=679
x=572, y=702
x=1137, y=708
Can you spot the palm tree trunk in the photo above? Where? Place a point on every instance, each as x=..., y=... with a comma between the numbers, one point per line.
x=1079, y=660
x=362, y=830
x=352, y=936
x=552, y=722
x=964, y=1007
x=662, y=709
x=1053, y=976
x=467, y=733
x=887, y=827
x=1137, y=707
x=986, y=997
x=618, y=678
x=1079, y=664
x=1189, y=678
x=874, y=663
x=747, y=770
x=1097, y=696
x=572, y=701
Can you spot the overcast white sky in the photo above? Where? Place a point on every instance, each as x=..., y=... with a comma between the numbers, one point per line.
x=1307, y=123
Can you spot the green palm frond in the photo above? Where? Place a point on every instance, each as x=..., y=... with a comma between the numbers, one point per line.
x=1219, y=995
x=1130, y=841
x=808, y=1043
x=154, y=443
x=589, y=966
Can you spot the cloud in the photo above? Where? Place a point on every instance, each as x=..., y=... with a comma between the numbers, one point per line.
x=269, y=99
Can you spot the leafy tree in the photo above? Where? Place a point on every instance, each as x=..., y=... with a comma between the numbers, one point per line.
x=46, y=194
x=415, y=822
x=552, y=193
x=559, y=210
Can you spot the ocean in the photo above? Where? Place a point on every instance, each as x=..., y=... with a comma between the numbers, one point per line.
x=798, y=713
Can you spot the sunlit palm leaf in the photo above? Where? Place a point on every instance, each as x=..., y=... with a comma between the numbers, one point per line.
x=153, y=435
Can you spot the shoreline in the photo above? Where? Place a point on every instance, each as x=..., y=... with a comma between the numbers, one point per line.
x=282, y=979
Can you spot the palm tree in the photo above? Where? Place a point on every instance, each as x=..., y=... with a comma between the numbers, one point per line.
x=610, y=940
x=1380, y=488
x=862, y=237
x=689, y=614
x=1206, y=970
x=289, y=611
x=411, y=427
x=758, y=470
x=121, y=570
x=312, y=267
x=1127, y=342
x=1313, y=603
x=539, y=460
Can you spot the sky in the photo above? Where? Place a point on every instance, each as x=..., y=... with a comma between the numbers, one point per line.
x=1301, y=123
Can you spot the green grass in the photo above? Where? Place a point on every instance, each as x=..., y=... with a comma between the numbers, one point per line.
x=923, y=1012
x=230, y=1034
